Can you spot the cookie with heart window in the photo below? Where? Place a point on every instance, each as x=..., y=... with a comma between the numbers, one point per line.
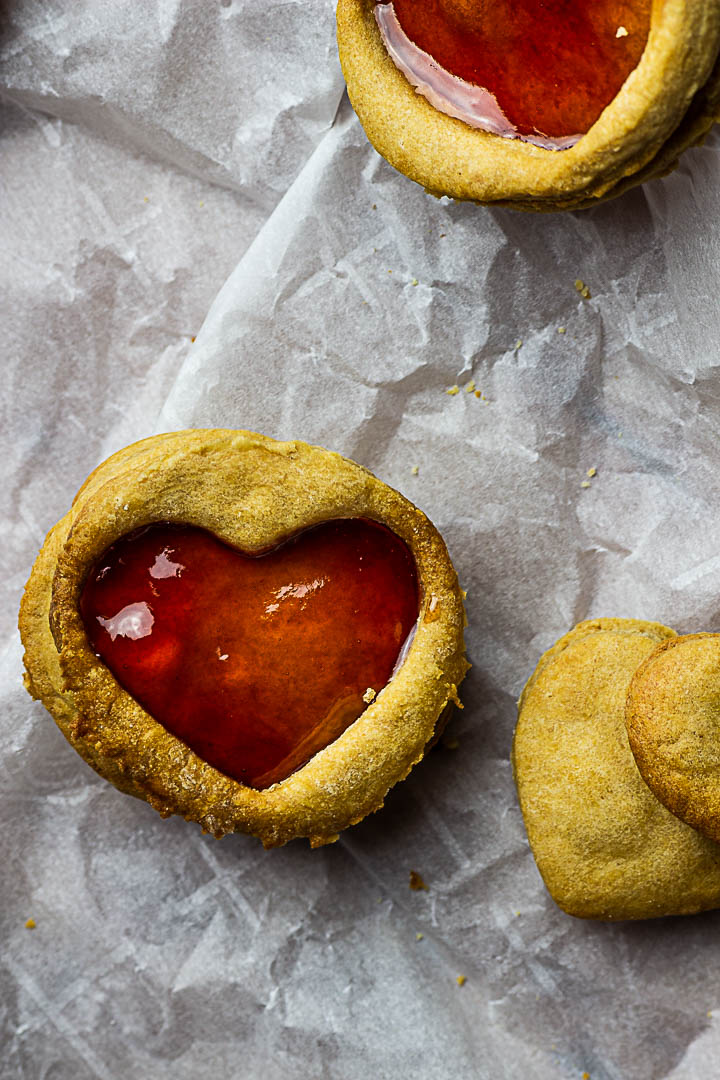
x=536, y=106
x=259, y=636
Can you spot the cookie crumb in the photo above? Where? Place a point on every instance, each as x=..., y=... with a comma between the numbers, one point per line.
x=419, y=937
x=30, y=924
x=416, y=882
x=461, y=980
x=518, y=343
x=414, y=281
x=585, y=1076
x=369, y=695
x=192, y=340
x=453, y=390
x=582, y=289
x=592, y=472
x=621, y=32
x=415, y=470
x=374, y=206
x=585, y=484
x=470, y=387
x=562, y=330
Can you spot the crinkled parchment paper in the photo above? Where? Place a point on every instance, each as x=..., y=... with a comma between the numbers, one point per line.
x=181, y=169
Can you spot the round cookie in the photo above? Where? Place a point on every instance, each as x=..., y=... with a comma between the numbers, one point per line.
x=667, y=104
x=604, y=845
x=673, y=721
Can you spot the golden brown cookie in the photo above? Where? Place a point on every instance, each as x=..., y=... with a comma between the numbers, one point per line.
x=251, y=493
x=673, y=721
x=604, y=845
x=668, y=103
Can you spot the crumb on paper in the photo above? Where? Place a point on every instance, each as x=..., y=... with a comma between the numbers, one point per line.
x=415, y=470
x=562, y=330
x=453, y=390
x=30, y=924
x=146, y=199
x=414, y=281
x=592, y=472
x=389, y=271
x=442, y=234
x=585, y=1076
x=419, y=937
x=461, y=980
x=518, y=343
x=201, y=204
x=369, y=695
x=451, y=742
x=374, y=206
x=621, y=32
x=192, y=340
x=478, y=393
x=416, y=882
x=582, y=289
x=585, y=484
x=518, y=913
x=470, y=387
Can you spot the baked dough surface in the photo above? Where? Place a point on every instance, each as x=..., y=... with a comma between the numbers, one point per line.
x=604, y=845
x=251, y=492
x=667, y=104
x=673, y=720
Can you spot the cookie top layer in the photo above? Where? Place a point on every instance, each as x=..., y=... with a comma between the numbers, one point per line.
x=673, y=722
x=606, y=848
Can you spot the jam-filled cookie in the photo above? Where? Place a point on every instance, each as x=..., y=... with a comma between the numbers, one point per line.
x=605, y=846
x=673, y=721
x=537, y=106
x=260, y=636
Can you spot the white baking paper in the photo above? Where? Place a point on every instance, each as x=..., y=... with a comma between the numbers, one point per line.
x=183, y=170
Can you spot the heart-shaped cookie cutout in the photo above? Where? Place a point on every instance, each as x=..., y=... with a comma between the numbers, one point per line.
x=673, y=721
x=254, y=687
x=605, y=846
x=256, y=663
x=539, y=72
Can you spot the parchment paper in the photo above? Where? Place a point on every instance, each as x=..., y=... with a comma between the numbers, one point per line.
x=182, y=169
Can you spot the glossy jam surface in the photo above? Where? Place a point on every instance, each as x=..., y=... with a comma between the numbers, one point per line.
x=255, y=662
x=551, y=66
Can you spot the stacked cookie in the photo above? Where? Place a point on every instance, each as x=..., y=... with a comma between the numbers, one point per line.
x=668, y=103
x=617, y=766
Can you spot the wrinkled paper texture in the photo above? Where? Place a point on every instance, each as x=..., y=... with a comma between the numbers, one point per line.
x=183, y=170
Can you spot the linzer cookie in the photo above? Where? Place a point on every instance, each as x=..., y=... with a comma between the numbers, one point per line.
x=605, y=846
x=538, y=106
x=259, y=636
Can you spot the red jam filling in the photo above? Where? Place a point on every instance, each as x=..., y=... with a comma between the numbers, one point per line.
x=255, y=662
x=546, y=68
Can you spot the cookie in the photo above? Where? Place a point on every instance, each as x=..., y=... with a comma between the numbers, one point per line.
x=673, y=722
x=605, y=846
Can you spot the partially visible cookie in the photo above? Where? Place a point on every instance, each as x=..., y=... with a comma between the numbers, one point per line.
x=673, y=721
x=606, y=848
